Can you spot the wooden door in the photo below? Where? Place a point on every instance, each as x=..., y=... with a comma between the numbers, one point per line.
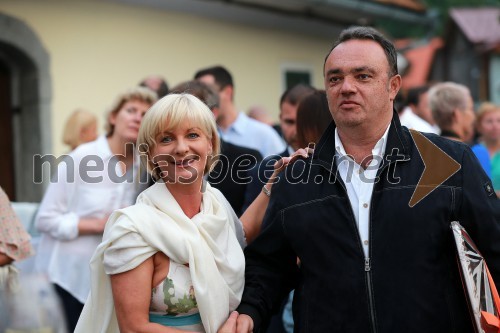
x=6, y=135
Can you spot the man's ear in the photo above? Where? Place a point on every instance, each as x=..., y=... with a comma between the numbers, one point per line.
x=216, y=111
x=456, y=115
x=227, y=92
x=394, y=86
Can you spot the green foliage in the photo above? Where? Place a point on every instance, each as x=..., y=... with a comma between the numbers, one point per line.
x=397, y=29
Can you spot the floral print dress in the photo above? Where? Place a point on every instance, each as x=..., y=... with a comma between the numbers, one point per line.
x=174, y=298
x=15, y=242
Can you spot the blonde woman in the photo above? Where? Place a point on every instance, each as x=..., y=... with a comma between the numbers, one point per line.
x=96, y=178
x=81, y=127
x=172, y=262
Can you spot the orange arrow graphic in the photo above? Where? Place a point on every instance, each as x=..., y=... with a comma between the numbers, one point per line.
x=438, y=167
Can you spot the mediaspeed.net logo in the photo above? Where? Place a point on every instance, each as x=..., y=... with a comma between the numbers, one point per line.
x=438, y=167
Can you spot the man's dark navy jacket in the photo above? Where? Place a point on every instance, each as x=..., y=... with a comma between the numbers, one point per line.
x=231, y=173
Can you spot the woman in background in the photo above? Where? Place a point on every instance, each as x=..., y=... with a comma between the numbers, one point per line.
x=81, y=127
x=97, y=178
x=488, y=126
x=313, y=117
x=15, y=242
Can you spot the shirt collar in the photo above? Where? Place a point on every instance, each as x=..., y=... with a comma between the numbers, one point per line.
x=378, y=149
x=103, y=147
x=239, y=124
x=450, y=134
x=105, y=151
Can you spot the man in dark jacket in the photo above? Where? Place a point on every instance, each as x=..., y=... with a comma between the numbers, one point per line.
x=232, y=173
x=289, y=103
x=368, y=220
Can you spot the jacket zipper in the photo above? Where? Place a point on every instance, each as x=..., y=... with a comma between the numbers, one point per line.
x=368, y=266
x=370, y=293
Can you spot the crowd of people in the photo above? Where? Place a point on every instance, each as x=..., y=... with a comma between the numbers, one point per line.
x=231, y=225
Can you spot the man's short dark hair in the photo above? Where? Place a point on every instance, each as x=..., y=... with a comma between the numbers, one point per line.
x=414, y=93
x=221, y=75
x=368, y=33
x=200, y=90
x=295, y=94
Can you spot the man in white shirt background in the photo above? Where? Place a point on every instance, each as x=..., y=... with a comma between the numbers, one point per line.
x=235, y=126
x=417, y=113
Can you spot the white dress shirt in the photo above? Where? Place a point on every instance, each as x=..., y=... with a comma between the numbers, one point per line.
x=250, y=133
x=63, y=254
x=409, y=119
x=359, y=183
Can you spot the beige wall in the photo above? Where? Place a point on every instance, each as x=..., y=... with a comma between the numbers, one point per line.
x=99, y=49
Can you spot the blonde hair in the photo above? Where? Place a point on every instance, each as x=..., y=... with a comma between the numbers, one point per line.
x=80, y=119
x=143, y=94
x=484, y=109
x=168, y=113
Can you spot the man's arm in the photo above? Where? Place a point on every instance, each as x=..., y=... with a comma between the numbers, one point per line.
x=271, y=266
x=480, y=212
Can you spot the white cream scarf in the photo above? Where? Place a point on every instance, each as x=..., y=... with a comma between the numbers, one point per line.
x=207, y=242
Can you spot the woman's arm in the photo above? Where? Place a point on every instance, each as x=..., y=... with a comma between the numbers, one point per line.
x=89, y=226
x=5, y=259
x=55, y=216
x=254, y=214
x=15, y=242
x=132, y=297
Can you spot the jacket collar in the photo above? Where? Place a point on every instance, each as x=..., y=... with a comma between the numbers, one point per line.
x=397, y=144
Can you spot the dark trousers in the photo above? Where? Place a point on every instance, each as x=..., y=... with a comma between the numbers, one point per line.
x=71, y=307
